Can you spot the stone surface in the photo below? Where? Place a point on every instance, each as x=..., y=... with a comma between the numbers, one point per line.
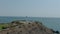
x=26, y=27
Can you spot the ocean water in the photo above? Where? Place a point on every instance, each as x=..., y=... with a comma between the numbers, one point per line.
x=53, y=23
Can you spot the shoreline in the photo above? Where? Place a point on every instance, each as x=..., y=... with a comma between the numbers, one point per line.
x=24, y=24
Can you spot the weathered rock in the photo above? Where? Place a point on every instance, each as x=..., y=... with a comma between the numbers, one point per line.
x=26, y=27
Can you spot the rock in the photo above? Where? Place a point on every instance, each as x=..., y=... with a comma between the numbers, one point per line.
x=26, y=27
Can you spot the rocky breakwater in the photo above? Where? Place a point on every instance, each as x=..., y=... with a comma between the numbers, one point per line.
x=26, y=27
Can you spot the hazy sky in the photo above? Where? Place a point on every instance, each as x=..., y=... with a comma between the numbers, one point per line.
x=35, y=8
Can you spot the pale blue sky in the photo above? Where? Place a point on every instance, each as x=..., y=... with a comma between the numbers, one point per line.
x=34, y=8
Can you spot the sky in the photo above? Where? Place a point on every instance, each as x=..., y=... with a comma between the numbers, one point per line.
x=31, y=8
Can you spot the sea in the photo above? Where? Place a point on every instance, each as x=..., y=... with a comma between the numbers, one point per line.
x=50, y=22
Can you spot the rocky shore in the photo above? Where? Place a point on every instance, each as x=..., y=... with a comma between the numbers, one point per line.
x=26, y=27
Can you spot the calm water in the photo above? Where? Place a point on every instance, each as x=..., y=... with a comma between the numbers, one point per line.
x=53, y=23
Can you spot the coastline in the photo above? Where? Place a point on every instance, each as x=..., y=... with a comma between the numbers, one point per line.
x=30, y=27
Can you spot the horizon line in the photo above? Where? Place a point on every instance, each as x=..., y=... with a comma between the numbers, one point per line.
x=31, y=16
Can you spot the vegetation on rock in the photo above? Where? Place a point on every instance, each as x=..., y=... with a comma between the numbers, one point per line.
x=25, y=27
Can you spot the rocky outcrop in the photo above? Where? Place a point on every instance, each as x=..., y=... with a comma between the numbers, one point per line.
x=26, y=27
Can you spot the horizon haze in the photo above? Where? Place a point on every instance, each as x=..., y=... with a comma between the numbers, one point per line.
x=30, y=8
